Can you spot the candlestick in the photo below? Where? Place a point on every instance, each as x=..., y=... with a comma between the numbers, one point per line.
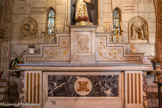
x=121, y=26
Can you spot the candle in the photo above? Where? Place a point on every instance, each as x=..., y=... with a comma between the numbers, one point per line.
x=121, y=26
x=106, y=27
x=43, y=28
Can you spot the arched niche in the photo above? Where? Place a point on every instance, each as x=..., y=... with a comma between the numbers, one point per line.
x=29, y=31
x=50, y=22
x=92, y=9
x=117, y=21
x=138, y=30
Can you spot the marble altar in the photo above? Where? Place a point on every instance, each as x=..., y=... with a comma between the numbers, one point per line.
x=84, y=70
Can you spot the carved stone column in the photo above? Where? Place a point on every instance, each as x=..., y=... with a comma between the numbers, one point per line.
x=7, y=34
x=158, y=5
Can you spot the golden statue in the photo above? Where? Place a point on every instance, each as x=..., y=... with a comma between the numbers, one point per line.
x=81, y=12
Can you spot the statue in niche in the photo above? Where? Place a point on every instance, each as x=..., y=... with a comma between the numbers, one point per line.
x=29, y=32
x=138, y=29
x=84, y=8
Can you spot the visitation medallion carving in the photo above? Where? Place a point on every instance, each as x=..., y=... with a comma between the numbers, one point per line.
x=29, y=31
x=138, y=30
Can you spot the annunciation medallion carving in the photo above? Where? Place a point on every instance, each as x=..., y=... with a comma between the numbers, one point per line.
x=29, y=31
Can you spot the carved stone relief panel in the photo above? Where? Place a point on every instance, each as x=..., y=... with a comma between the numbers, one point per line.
x=29, y=31
x=138, y=30
x=83, y=45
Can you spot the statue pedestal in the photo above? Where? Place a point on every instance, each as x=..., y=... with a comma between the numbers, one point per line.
x=83, y=44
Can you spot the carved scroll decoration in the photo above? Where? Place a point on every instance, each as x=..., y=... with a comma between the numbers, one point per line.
x=110, y=52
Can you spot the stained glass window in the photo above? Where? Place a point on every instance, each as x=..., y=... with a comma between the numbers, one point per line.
x=116, y=22
x=51, y=22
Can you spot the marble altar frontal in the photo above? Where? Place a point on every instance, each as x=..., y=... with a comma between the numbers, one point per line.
x=83, y=86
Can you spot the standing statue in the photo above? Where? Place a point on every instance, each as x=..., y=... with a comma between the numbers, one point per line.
x=82, y=9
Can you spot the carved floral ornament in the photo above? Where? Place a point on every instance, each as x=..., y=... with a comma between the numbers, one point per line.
x=108, y=53
x=29, y=31
x=138, y=30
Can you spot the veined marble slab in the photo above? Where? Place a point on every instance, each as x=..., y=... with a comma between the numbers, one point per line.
x=64, y=86
x=82, y=85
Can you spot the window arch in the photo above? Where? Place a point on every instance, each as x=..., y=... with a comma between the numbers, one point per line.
x=51, y=22
x=117, y=21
